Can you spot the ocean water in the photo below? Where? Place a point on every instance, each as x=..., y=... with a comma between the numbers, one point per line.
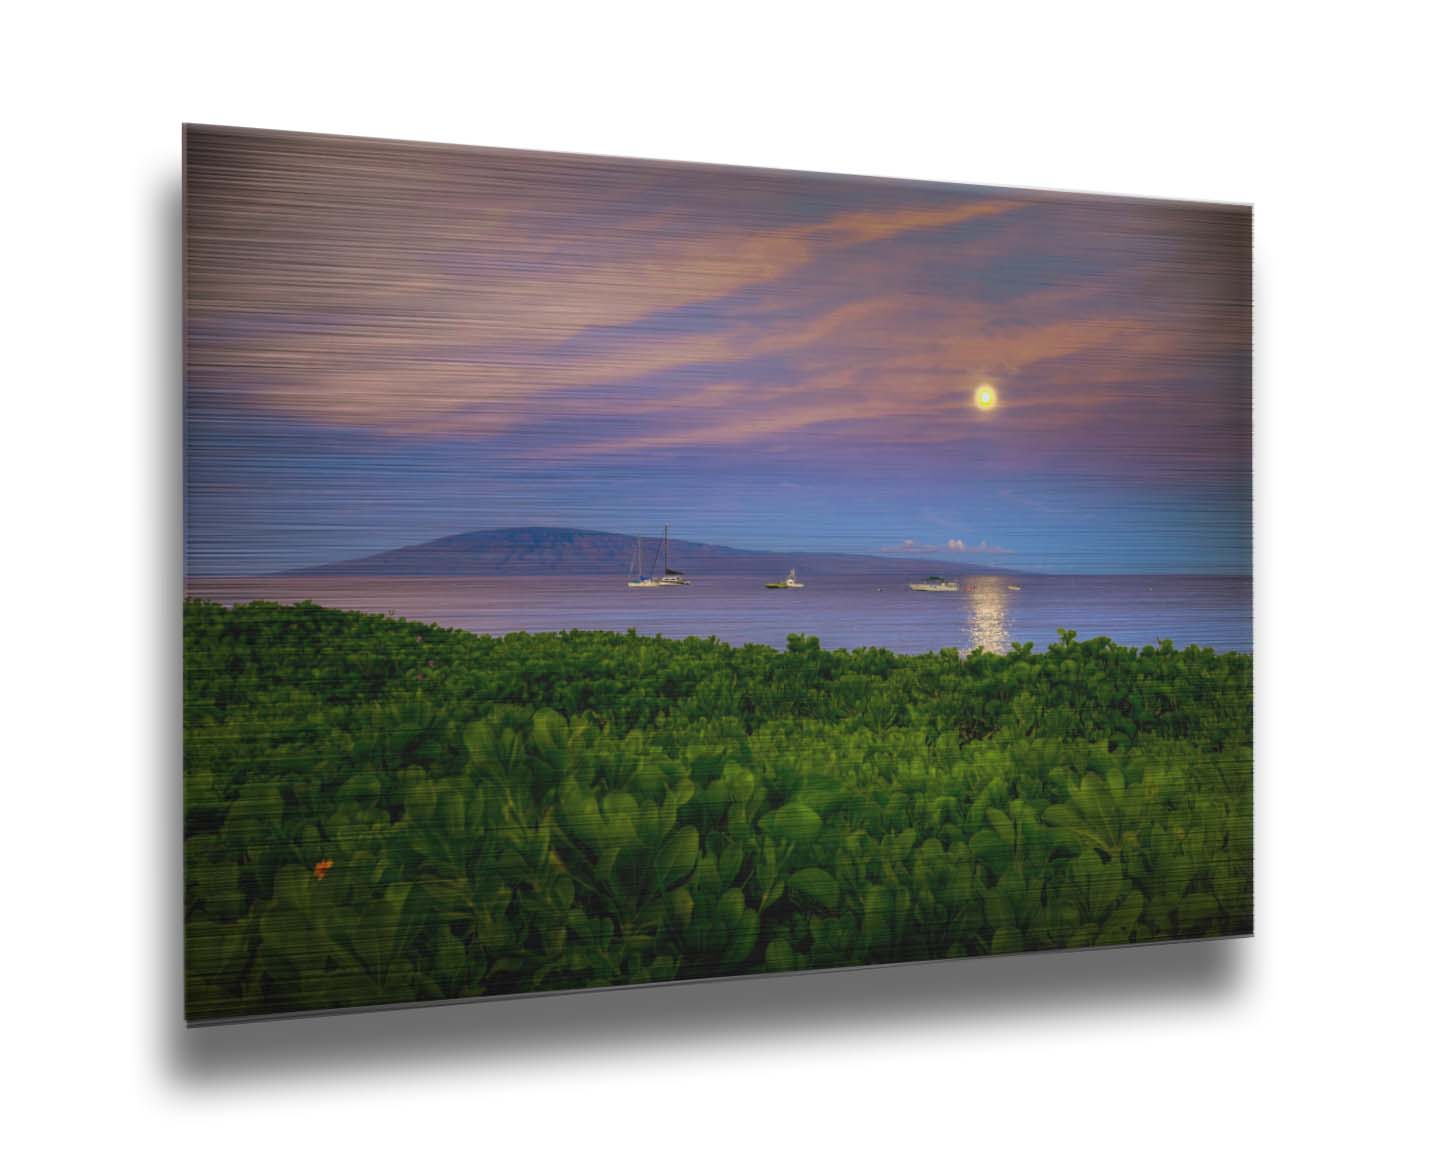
x=990, y=612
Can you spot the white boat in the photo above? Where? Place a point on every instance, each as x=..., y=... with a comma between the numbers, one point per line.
x=935, y=584
x=669, y=577
x=638, y=579
x=788, y=582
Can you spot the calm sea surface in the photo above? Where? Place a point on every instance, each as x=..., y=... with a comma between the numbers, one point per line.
x=844, y=612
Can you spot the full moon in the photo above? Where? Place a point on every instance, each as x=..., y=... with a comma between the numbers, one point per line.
x=985, y=397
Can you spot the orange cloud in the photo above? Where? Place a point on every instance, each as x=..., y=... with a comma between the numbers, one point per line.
x=420, y=291
x=361, y=284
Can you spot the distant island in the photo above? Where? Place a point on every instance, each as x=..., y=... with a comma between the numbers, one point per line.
x=577, y=552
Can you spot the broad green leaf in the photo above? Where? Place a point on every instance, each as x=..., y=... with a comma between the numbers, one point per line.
x=677, y=858
x=796, y=822
x=815, y=884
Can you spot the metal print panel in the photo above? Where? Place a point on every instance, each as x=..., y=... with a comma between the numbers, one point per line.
x=603, y=572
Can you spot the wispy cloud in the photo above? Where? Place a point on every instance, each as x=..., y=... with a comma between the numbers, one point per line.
x=430, y=291
x=588, y=307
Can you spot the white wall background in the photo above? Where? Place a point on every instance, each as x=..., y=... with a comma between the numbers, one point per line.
x=1319, y=1030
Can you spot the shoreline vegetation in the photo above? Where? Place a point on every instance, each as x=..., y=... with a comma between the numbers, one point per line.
x=379, y=811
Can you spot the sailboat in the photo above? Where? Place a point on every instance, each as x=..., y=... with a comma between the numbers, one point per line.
x=788, y=582
x=638, y=579
x=669, y=577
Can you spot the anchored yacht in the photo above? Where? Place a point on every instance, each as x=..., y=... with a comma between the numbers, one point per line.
x=788, y=582
x=668, y=578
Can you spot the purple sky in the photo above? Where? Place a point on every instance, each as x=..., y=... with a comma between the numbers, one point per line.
x=390, y=342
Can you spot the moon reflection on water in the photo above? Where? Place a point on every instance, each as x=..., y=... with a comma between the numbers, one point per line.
x=989, y=613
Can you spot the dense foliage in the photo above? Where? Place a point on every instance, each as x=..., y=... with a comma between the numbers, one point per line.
x=380, y=811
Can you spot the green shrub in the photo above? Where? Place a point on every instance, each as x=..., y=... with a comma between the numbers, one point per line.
x=380, y=811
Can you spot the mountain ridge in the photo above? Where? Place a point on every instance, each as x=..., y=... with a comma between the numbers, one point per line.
x=534, y=551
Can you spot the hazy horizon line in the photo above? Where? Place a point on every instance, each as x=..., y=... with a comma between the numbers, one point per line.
x=994, y=562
